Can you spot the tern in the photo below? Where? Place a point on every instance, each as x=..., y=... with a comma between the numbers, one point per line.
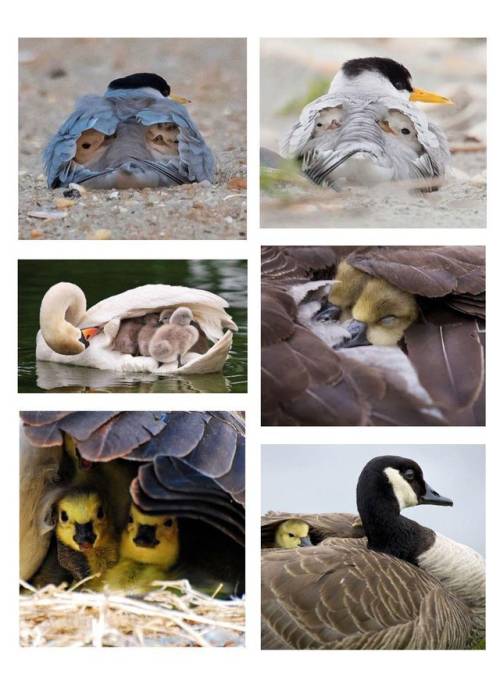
x=367, y=130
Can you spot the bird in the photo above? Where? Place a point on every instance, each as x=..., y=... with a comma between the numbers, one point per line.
x=367, y=130
x=373, y=335
x=136, y=135
x=151, y=324
x=402, y=586
x=173, y=340
x=292, y=533
x=190, y=465
x=149, y=548
x=319, y=526
x=87, y=543
x=72, y=334
x=127, y=339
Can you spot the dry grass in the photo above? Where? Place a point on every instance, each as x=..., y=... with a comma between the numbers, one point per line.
x=173, y=615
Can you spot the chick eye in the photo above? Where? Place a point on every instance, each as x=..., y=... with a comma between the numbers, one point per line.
x=169, y=522
x=130, y=520
x=409, y=474
x=100, y=512
x=405, y=130
x=86, y=145
x=319, y=124
x=64, y=516
x=291, y=535
x=388, y=319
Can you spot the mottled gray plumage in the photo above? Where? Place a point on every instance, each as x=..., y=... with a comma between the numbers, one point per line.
x=125, y=158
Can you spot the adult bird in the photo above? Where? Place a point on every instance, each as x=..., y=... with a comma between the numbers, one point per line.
x=136, y=135
x=373, y=335
x=367, y=130
x=401, y=586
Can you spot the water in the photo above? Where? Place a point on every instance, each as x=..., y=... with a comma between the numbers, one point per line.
x=100, y=279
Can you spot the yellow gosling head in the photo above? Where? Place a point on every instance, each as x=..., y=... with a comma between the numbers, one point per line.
x=346, y=288
x=150, y=539
x=82, y=522
x=293, y=533
x=382, y=313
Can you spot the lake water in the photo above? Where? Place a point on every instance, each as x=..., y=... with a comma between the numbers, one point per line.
x=101, y=279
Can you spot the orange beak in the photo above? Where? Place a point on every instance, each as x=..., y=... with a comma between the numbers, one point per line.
x=90, y=332
x=428, y=97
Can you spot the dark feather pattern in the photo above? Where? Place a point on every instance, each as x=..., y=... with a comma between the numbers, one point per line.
x=305, y=382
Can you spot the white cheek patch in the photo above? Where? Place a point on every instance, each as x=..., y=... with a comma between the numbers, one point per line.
x=402, y=489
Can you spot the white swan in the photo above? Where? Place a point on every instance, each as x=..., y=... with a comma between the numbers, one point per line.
x=71, y=334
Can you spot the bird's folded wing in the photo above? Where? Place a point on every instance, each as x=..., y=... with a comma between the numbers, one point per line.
x=294, y=142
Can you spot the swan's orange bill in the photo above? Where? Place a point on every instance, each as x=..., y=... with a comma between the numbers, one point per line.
x=428, y=97
x=90, y=332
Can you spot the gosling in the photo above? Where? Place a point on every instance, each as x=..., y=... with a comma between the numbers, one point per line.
x=293, y=533
x=174, y=339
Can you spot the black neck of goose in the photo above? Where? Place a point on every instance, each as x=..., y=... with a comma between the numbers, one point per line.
x=388, y=531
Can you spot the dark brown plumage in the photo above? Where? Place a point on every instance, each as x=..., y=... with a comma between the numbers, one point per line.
x=306, y=382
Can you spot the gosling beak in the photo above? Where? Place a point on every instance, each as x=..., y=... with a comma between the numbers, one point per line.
x=428, y=97
x=305, y=542
x=357, y=330
x=327, y=313
x=432, y=497
x=84, y=535
x=146, y=536
x=179, y=99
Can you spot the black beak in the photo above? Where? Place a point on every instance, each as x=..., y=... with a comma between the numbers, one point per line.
x=357, y=330
x=327, y=313
x=304, y=542
x=84, y=534
x=146, y=536
x=83, y=340
x=432, y=497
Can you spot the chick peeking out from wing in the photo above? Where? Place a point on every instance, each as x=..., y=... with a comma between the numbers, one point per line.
x=149, y=548
x=293, y=533
x=86, y=540
x=373, y=311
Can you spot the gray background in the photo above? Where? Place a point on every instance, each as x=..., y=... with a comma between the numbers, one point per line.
x=320, y=478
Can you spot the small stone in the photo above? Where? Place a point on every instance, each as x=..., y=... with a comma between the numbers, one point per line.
x=100, y=234
x=114, y=195
x=229, y=219
x=36, y=234
x=47, y=214
x=64, y=203
x=205, y=183
x=79, y=189
x=237, y=183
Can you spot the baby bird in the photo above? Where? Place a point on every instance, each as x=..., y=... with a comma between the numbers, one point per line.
x=327, y=120
x=149, y=548
x=86, y=540
x=162, y=140
x=173, y=340
x=293, y=533
x=151, y=324
x=126, y=340
x=402, y=128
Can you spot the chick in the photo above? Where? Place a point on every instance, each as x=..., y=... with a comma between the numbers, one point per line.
x=346, y=289
x=86, y=539
x=90, y=146
x=327, y=120
x=151, y=324
x=162, y=140
x=126, y=340
x=173, y=340
x=293, y=533
x=149, y=548
x=403, y=128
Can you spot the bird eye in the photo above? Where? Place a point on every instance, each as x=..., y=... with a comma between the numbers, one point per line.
x=169, y=522
x=319, y=124
x=405, y=130
x=64, y=516
x=86, y=145
x=130, y=520
x=388, y=319
x=100, y=512
x=291, y=535
x=409, y=474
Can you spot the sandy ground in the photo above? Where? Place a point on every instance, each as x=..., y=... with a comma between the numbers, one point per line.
x=212, y=73
x=454, y=68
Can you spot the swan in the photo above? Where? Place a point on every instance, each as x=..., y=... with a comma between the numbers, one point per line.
x=72, y=334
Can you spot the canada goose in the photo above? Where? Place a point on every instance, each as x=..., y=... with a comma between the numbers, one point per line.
x=371, y=132
x=173, y=340
x=71, y=334
x=422, y=307
x=149, y=547
x=137, y=135
x=292, y=533
x=86, y=540
x=401, y=587
x=151, y=324
x=189, y=465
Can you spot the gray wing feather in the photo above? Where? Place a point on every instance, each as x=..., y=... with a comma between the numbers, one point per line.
x=294, y=142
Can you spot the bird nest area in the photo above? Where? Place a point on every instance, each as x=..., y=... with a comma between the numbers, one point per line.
x=173, y=615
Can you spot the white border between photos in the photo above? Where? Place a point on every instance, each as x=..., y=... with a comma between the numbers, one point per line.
x=224, y=18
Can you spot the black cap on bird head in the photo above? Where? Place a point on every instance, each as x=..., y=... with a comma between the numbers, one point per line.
x=139, y=80
x=398, y=75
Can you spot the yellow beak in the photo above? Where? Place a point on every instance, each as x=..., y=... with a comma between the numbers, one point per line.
x=428, y=97
x=179, y=99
